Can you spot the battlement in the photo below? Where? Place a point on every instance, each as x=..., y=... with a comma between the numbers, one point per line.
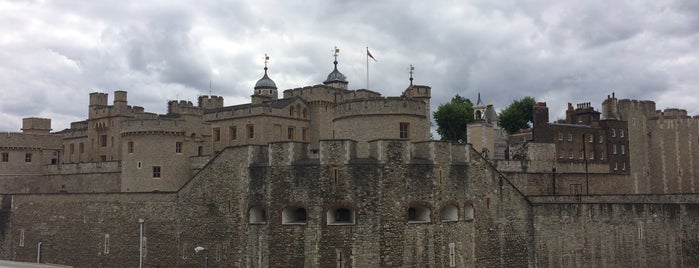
x=98, y=99
x=314, y=93
x=418, y=91
x=631, y=108
x=357, y=94
x=152, y=127
x=210, y=102
x=34, y=125
x=377, y=106
x=671, y=113
x=342, y=152
x=183, y=107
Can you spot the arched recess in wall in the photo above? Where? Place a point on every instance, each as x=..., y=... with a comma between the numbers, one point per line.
x=449, y=212
x=419, y=213
x=294, y=215
x=341, y=216
x=257, y=215
x=469, y=211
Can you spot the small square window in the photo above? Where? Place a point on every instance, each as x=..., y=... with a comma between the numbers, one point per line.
x=28, y=157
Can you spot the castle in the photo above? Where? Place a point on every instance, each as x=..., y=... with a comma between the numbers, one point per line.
x=331, y=177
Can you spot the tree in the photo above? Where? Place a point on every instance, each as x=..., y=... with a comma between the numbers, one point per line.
x=519, y=115
x=452, y=118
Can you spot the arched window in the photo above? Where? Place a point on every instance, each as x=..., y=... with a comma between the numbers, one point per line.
x=450, y=213
x=419, y=214
x=257, y=215
x=340, y=216
x=294, y=215
x=305, y=113
x=478, y=115
x=468, y=212
x=291, y=111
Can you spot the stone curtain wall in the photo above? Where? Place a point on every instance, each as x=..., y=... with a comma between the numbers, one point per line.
x=617, y=231
x=73, y=227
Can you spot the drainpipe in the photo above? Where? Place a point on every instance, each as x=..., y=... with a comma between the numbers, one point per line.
x=140, y=243
x=38, y=252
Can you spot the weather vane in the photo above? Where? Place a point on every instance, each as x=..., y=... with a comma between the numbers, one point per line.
x=411, y=70
x=266, y=60
x=337, y=51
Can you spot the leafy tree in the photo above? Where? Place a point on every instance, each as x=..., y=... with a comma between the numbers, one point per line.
x=452, y=118
x=519, y=115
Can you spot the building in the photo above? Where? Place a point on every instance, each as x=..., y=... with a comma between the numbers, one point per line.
x=363, y=187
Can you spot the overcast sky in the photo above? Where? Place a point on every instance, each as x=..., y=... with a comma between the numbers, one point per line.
x=54, y=53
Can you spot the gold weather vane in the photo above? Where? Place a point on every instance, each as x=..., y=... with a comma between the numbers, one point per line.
x=266, y=60
x=411, y=70
x=337, y=51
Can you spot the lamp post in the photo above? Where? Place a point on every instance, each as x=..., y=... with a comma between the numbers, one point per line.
x=141, y=221
x=206, y=254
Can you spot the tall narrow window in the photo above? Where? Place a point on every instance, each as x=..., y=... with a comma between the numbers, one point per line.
x=560, y=153
x=72, y=148
x=621, y=133
x=217, y=134
x=570, y=136
x=5, y=157
x=404, y=130
x=81, y=148
x=130, y=146
x=290, y=133
x=233, y=132
x=178, y=147
x=21, y=237
x=582, y=154
x=601, y=138
x=592, y=155
x=560, y=136
x=106, y=243
x=28, y=157
x=613, y=133
x=156, y=171
x=613, y=148
x=591, y=138
x=304, y=134
x=251, y=131
x=623, y=149
x=616, y=165
x=570, y=154
x=103, y=140
x=623, y=165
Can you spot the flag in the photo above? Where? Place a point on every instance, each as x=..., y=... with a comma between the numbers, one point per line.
x=369, y=55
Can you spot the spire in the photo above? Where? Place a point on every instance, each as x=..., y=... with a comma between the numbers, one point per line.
x=479, y=102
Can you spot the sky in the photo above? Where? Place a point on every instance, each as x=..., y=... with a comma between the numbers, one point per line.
x=54, y=53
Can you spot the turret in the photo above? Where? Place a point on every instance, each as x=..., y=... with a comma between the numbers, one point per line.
x=265, y=88
x=33, y=125
x=336, y=79
x=210, y=102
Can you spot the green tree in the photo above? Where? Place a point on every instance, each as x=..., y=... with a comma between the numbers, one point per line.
x=452, y=118
x=519, y=115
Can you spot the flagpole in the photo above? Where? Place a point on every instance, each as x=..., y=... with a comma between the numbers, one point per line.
x=367, y=68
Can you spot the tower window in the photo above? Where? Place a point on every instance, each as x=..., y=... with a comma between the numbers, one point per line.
x=290, y=133
x=294, y=215
x=103, y=140
x=233, y=132
x=5, y=157
x=340, y=216
x=251, y=131
x=404, y=130
x=217, y=134
x=28, y=157
x=178, y=147
x=156, y=172
x=130, y=147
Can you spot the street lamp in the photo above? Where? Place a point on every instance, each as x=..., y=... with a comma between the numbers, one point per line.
x=206, y=254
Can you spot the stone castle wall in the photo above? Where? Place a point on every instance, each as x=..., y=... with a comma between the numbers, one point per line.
x=213, y=209
x=616, y=231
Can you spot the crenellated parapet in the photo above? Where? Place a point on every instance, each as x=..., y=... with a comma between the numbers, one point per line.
x=379, y=106
x=152, y=127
